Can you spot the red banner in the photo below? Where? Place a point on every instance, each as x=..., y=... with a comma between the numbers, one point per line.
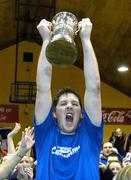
x=8, y=113
x=117, y=116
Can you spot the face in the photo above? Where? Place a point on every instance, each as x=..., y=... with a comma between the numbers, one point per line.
x=68, y=113
x=118, y=132
x=107, y=148
x=24, y=163
x=115, y=167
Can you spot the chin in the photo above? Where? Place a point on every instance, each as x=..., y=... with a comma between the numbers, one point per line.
x=68, y=131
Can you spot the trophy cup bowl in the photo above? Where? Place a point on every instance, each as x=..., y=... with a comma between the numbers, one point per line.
x=61, y=50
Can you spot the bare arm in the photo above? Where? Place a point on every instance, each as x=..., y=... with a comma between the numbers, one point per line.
x=11, y=146
x=27, y=142
x=43, y=79
x=92, y=99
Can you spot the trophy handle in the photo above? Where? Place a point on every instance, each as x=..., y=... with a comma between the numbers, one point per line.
x=78, y=29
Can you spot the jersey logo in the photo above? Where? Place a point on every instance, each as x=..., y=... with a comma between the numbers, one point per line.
x=65, y=152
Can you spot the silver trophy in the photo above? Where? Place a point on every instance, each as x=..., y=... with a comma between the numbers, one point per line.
x=61, y=50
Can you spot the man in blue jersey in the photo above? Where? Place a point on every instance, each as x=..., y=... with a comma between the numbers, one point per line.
x=68, y=138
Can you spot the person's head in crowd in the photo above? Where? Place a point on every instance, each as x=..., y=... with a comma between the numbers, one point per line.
x=27, y=161
x=118, y=132
x=113, y=157
x=114, y=166
x=25, y=167
x=124, y=174
x=107, y=149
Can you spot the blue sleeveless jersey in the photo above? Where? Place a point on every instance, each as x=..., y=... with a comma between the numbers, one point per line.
x=68, y=157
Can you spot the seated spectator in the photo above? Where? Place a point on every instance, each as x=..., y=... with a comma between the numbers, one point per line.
x=27, y=142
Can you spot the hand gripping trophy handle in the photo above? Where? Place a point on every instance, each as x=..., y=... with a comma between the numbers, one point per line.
x=61, y=50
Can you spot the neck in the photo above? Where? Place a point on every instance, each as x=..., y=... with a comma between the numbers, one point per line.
x=67, y=133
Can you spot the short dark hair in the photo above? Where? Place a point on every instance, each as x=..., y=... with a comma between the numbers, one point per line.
x=114, y=154
x=66, y=90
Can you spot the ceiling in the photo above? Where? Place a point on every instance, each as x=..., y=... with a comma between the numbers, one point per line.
x=111, y=34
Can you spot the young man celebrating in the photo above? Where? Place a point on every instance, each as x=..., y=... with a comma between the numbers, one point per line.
x=68, y=139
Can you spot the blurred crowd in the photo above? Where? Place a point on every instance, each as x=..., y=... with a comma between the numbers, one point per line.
x=21, y=156
x=116, y=156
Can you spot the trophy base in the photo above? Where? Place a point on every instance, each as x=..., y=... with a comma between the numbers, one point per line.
x=61, y=53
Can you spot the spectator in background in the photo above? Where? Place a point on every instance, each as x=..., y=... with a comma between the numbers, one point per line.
x=27, y=142
x=113, y=165
x=24, y=170
x=118, y=141
x=124, y=174
x=107, y=150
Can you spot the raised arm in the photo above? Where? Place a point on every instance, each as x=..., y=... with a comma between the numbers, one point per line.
x=43, y=79
x=27, y=142
x=10, y=142
x=92, y=98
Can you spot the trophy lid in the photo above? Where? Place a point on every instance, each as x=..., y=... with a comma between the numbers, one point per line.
x=65, y=14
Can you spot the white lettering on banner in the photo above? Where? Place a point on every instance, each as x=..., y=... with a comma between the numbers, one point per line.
x=8, y=113
x=116, y=116
x=65, y=152
x=128, y=114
